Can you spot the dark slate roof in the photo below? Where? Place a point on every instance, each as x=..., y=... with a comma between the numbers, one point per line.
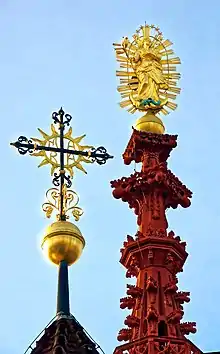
x=65, y=336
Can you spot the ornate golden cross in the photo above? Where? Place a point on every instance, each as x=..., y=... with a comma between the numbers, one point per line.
x=71, y=155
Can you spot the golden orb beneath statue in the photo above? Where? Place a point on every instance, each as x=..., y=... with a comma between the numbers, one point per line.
x=150, y=123
x=63, y=241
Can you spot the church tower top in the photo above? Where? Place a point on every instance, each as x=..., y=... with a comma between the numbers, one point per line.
x=63, y=242
x=154, y=255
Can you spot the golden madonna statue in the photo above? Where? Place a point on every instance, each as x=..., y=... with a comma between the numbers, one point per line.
x=148, y=79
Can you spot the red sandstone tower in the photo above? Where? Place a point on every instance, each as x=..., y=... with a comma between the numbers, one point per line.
x=154, y=256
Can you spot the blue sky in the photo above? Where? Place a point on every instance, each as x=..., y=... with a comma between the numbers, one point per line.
x=57, y=53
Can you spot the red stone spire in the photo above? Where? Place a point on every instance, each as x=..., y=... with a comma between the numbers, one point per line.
x=153, y=256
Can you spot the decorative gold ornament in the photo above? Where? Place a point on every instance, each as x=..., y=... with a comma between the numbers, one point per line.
x=63, y=241
x=149, y=78
x=70, y=202
x=52, y=157
x=150, y=123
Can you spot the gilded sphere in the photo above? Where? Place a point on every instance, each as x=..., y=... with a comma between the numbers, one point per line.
x=150, y=123
x=63, y=241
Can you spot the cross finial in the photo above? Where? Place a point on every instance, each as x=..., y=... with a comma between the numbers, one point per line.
x=62, y=242
x=64, y=154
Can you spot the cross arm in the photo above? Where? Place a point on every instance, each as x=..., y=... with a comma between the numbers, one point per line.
x=24, y=145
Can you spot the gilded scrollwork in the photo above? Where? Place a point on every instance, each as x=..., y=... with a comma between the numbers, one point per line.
x=70, y=203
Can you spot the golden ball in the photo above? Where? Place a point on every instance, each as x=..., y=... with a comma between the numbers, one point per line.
x=63, y=241
x=150, y=123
